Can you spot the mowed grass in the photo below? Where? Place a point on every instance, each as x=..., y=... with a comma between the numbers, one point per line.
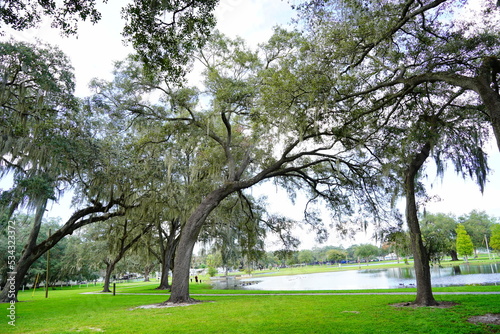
x=69, y=311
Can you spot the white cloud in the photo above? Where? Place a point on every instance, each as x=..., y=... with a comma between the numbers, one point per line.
x=461, y=196
x=252, y=19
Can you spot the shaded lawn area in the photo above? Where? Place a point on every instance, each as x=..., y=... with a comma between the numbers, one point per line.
x=68, y=311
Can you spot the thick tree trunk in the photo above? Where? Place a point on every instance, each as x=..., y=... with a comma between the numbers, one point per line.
x=492, y=102
x=180, y=279
x=420, y=256
x=454, y=255
x=187, y=240
x=487, y=88
x=26, y=260
x=16, y=278
x=110, y=267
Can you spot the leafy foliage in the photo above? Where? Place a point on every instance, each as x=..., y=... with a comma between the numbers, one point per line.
x=478, y=225
x=495, y=237
x=367, y=251
x=438, y=231
x=164, y=33
x=465, y=246
x=21, y=15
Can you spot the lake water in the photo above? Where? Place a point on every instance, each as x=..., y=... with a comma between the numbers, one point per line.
x=370, y=278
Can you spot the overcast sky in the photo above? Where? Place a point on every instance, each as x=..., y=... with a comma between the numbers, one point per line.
x=97, y=46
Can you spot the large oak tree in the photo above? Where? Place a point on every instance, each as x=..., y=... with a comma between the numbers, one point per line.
x=422, y=64
x=260, y=115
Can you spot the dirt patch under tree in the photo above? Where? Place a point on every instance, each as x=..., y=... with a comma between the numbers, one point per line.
x=442, y=304
x=493, y=319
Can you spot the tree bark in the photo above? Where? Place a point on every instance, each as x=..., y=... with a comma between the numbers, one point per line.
x=420, y=256
x=167, y=266
x=110, y=266
x=486, y=78
x=188, y=237
x=15, y=280
x=17, y=276
x=168, y=253
x=492, y=103
x=164, y=283
x=454, y=255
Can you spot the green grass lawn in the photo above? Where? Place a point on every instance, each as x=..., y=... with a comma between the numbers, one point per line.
x=68, y=311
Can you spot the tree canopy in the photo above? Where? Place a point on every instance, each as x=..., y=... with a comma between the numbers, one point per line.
x=465, y=247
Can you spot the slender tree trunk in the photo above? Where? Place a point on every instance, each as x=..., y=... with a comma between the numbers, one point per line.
x=167, y=266
x=454, y=255
x=110, y=267
x=420, y=256
x=168, y=256
x=9, y=211
x=188, y=237
x=164, y=284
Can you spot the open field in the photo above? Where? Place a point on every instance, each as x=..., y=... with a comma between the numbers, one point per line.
x=68, y=311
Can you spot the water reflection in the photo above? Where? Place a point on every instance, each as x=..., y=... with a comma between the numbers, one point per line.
x=369, y=279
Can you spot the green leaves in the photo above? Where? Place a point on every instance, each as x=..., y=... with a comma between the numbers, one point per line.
x=495, y=237
x=464, y=242
x=22, y=15
x=165, y=33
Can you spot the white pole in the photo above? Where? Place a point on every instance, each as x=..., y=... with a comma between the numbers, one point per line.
x=487, y=248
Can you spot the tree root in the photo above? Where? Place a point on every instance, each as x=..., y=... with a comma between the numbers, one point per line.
x=442, y=304
x=187, y=300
